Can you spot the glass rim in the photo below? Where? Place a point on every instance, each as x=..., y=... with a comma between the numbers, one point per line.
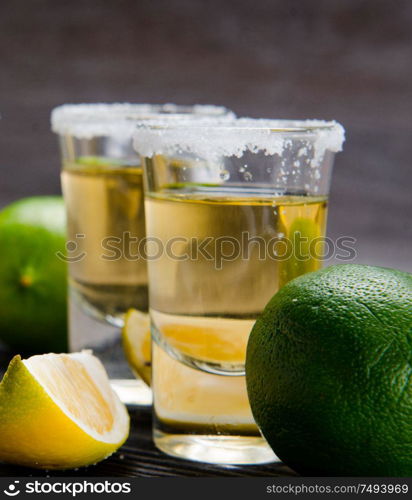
x=216, y=138
x=86, y=120
x=245, y=124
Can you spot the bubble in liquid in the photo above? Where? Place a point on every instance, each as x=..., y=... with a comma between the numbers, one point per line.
x=224, y=175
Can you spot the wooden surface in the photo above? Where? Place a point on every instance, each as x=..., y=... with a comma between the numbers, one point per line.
x=139, y=458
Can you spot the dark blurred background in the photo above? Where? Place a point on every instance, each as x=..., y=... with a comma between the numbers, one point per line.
x=348, y=60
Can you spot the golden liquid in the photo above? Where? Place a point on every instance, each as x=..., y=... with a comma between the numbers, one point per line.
x=203, y=309
x=106, y=201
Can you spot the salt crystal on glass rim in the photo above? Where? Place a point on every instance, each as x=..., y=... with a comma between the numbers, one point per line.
x=86, y=121
x=211, y=141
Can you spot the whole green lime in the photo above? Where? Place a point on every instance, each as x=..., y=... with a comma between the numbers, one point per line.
x=329, y=372
x=33, y=279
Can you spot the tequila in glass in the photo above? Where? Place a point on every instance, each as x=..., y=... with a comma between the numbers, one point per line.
x=233, y=228
x=105, y=209
x=103, y=190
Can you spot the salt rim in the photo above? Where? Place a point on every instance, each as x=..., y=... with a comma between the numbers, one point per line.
x=89, y=120
x=234, y=137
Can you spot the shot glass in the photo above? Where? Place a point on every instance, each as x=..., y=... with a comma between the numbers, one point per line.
x=103, y=191
x=225, y=207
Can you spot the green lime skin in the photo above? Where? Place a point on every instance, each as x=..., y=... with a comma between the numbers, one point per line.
x=33, y=279
x=329, y=372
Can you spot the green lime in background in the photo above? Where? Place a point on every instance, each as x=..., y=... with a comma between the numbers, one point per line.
x=33, y=279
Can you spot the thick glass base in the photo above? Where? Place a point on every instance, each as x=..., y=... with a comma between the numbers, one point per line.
x=132, y=392
x=214, y=449
x=109, y=303
x=105, y=342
